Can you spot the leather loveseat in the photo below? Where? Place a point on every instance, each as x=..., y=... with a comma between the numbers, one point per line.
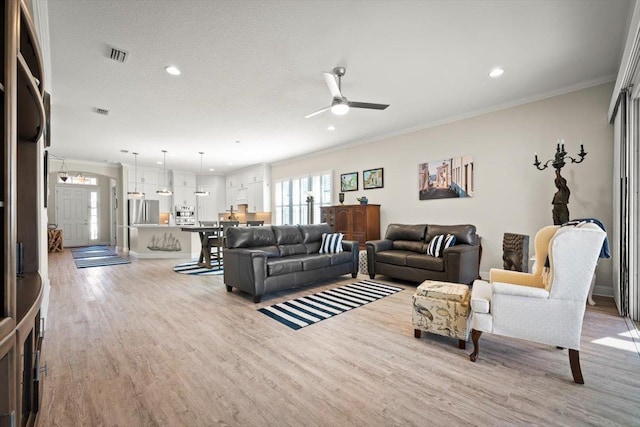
x=403, y=254
x=260, y=260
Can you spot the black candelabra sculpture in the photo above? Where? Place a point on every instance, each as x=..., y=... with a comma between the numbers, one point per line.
x=560, y=200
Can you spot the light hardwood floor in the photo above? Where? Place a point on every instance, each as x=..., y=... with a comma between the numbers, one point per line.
x=140, y=345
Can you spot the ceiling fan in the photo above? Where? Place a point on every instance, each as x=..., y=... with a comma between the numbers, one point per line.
x=340, y=104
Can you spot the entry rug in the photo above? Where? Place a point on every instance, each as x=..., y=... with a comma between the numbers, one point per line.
x=93, y=253
x=100, y=261
x=193, y=268
x=300, y=312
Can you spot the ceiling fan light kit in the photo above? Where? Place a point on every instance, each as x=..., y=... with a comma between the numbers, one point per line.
x=340, y=104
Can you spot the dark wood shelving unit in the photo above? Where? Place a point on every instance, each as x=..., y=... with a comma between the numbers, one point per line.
x=356, y=222
x=24, y=121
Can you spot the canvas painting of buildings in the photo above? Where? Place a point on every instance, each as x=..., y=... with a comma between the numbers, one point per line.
x=446, y=179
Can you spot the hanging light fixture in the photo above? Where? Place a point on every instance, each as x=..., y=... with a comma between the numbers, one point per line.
x=164, y=191
x=135, y=194
x=64, y=172
x=201, y=192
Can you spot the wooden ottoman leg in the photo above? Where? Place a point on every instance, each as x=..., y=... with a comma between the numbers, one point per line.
x=417, y=333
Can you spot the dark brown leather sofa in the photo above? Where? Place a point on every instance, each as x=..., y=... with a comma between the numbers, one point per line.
x=260, y=260
x=402, y=254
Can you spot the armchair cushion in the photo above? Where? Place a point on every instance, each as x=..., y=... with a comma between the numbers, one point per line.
x=519, y=291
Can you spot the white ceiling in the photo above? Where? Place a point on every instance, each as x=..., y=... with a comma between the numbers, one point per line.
x=252, y=70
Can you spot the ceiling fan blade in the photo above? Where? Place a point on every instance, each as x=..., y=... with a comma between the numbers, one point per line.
x=367, y=105
x=330, y=78
x=315, y=113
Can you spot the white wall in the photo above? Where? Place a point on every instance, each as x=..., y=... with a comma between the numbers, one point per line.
x=510, y=194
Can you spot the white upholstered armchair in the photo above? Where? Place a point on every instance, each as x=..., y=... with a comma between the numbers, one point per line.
x=545, y=311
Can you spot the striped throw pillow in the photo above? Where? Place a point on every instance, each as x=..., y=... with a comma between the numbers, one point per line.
x=439, y=243
x=331, y=243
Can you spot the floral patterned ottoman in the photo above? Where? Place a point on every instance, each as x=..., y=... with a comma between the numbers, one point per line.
x=444, y=309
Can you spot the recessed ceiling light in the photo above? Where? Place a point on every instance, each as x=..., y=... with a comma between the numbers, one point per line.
x=237, y=142
x=496, y=72
x=211, y=169
x=229, y=163
x=159, y=162
x=172, y=70
x=331, y=127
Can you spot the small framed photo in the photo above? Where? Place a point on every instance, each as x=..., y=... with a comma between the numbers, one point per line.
x=372, y=178
x=349, y=181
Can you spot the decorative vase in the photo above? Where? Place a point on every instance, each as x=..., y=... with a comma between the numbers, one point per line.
x=341, y=198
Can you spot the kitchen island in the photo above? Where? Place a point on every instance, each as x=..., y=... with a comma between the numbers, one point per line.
x=162, y=241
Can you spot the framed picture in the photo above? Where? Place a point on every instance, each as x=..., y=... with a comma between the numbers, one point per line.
x=451, y=178
x=372, y=178
x=349, y=181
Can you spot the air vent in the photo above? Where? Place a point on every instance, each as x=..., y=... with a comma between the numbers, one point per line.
x=118, y=55
x=101, y=111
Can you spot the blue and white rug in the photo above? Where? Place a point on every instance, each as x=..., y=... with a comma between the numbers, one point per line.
x=300, y=312
x=100, y=261
x=192, y=267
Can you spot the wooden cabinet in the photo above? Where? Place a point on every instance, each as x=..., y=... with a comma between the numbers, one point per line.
x=22, y=89
x=356, y=222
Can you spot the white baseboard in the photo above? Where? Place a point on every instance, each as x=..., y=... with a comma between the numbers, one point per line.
x=603, y=290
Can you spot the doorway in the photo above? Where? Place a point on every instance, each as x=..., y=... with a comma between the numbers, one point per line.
x=77, y=214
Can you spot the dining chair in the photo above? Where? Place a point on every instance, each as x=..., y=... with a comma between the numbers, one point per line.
x=217, y=245
x=255, y=223
x=208, y=223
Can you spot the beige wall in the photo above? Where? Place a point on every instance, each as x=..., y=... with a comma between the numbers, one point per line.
x=510, y=195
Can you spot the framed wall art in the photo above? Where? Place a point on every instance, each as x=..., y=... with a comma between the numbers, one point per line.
x=372, y=178
x=349, y=181
x=446, y=179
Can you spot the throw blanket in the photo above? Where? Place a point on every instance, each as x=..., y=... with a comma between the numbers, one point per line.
x=604, y=252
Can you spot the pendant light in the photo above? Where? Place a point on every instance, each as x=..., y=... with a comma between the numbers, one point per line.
x=201, y=191
x=135, y=194
x=164, y=191
x=64, y=173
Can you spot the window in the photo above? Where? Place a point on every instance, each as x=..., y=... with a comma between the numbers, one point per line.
x=291, y=198
x=93, y=215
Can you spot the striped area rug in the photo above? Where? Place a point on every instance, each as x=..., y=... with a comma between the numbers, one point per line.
x=300, y=312
x=100, y=261
x=193, y=268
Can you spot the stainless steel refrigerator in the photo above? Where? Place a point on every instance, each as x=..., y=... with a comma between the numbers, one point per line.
x=144, y=211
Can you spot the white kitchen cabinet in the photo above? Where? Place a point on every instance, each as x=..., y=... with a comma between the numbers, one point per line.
x=251, y=187
x=206, y=209
x=183, y=185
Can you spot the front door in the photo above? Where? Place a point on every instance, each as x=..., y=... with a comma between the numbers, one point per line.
x=72, y=205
